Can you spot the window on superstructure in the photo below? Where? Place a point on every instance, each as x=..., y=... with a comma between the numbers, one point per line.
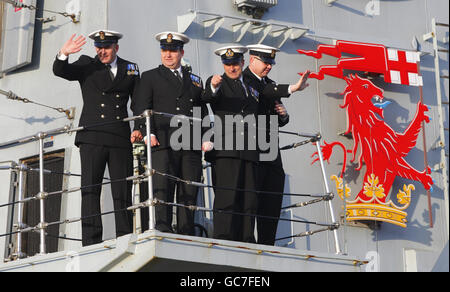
x=16, y=36
x=54, y=181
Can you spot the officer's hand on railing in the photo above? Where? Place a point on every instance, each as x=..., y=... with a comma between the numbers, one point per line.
x=136, y=136
x=207, y=146
x=153, y=141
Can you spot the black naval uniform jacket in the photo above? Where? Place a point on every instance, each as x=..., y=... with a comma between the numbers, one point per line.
x=235, y=168
x=269, y=93
x=271, y=175
x=104, y=100
x=161, y=91
x=231, y=100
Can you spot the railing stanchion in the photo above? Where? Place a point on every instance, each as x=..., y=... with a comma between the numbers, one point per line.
x=325, y=180
x=148, y=171
x=42, y=195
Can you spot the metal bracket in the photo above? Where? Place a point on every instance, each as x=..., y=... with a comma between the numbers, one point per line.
x=330, y=2
x=240, y=29
x=264, y=30
x=70, y=113
x=48, y=19
x=259, y=28
x=212, y=26
x=73, y=9
x=427, y=36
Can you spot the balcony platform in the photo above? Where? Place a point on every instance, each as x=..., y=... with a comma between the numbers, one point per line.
x=165, y=252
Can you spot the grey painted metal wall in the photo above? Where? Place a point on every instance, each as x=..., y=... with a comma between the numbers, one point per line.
x=316, y=109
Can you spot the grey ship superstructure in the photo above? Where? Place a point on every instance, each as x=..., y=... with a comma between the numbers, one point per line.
x=39, y=116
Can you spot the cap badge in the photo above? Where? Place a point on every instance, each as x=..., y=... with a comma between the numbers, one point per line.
x=169, y=38
x=102, y=35
x=273, y=54
x=229, y=53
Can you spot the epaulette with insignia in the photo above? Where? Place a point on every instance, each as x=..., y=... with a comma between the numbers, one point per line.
x=196, y=80
x=132, y=69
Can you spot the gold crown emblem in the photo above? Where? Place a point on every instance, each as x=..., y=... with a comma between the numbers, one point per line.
x=102, y=35
x=375, y=209
x=229, y=53
x=170, y=38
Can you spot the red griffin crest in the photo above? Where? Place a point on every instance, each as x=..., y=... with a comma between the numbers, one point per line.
x=382, y=150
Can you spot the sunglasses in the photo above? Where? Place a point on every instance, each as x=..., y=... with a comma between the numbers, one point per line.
x=258, y=58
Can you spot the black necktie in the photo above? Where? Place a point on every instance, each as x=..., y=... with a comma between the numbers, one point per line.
x=177, y=74
x=110, y=72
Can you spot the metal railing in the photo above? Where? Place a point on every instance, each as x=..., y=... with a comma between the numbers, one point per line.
x=147, y=176
x=42, y=195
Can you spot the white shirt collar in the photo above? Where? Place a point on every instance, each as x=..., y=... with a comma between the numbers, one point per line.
x=179, y=71
x=113, y=64
x=259, y=78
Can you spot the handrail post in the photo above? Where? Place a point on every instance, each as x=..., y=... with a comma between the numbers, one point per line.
x=42, y=195
x=20, y=224
x=138, y=152
x=149, y=170
x=333, y=218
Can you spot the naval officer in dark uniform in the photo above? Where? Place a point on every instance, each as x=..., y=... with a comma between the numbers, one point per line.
x=171, y=88
x=107, y=83
x=271, y=175
x=233, y=168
